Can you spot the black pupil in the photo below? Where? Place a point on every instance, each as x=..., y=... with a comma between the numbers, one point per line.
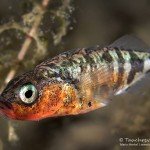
x=28, y=94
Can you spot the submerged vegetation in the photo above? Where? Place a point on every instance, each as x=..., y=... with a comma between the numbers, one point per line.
x=35, y=32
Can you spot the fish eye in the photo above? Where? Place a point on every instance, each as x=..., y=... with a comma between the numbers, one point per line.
x=28, y=93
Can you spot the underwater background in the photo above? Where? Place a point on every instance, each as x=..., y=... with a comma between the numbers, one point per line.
x=63, y=25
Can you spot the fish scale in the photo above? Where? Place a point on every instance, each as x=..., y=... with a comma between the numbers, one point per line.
x=78, y=64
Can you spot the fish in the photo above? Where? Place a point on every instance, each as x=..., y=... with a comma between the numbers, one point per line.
x=77, y=81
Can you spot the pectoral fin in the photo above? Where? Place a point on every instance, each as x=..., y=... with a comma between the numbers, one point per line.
x=96, y=86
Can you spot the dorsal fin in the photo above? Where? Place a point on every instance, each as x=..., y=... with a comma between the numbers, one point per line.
x=130, y=42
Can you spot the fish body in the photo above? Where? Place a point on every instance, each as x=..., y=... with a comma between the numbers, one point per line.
x=74, y=82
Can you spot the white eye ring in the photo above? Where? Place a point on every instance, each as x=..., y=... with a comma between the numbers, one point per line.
x=28, y=93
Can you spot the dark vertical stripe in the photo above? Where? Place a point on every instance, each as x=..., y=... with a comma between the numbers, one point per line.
x=137, y=65
x=107, y=57
x=121, y=62
x=109, y=60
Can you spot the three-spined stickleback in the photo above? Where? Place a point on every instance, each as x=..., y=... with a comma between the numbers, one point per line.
x=75, y=82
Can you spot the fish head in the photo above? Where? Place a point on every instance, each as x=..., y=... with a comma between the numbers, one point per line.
x=30, y=97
